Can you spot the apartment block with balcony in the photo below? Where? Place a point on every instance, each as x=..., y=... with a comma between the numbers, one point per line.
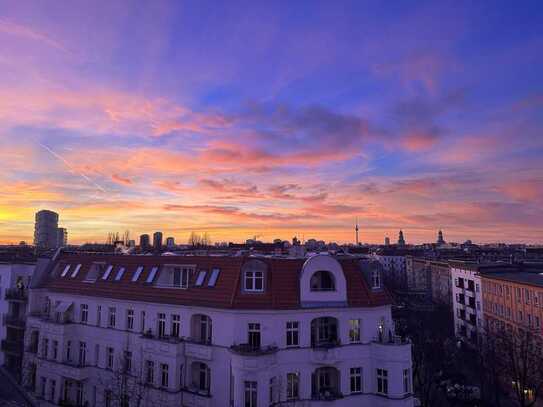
x=14, y=281
x=211, y=331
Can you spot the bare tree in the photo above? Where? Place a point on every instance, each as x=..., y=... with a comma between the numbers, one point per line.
x=195, y=240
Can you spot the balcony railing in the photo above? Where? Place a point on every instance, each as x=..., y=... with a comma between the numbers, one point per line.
x=326, y=343
x=14, y=321
x=391, y=340
x=327, y=394
x=16, y=294
x=12, y=346
x=251, y=350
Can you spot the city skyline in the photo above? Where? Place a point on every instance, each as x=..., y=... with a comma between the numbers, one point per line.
x=274, y=120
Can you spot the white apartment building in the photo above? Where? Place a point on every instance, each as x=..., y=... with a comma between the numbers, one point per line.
x=467, y=301
x=214, y=331
x=14, y=281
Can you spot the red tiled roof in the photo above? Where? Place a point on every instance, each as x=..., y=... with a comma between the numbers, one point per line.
x=282, y=285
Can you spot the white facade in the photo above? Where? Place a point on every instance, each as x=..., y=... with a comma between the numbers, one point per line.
x=467, y=303
x=324, y=353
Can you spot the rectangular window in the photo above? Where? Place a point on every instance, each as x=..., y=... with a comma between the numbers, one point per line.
x=354, y=330
x=99, y=315
x=161, y=330
x=127, y=361
x=97, y=355
x=55, y=350
x=382, y=381
x=110, y=357
x=274, y=390
x=111, y=319
x=176, y=324
x=150, y=371
x=76, y=271
x=356, y=379
x=293, y=386
x=130, y=319
x=137, y=274
x=107, y=398
x=152, y=275
x=407, y=381
x=42, y=386
x=164, y=375
x=108, y=272
x=200, y=279
x=142, y=321
x=45, y=348
x=250, y=394
x=536, y=321
x=254, y=281
x=293, y=333
x=69, y=351
x=181, y=277
x=84, y=314
x=254, y=335
x=120, y=273
x=53, y=390
x=213, y=278
x=82, y=353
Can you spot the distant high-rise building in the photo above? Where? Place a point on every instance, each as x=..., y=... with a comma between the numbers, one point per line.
x=387, y=241
x=62, y=237
x=440, y=239
x=45, y=229
x=401, y=240
x=144, y=242
x=157, y=240
x=170, y=242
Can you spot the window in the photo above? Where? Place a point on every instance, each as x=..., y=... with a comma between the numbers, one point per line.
x=200, y=279
x=96, y=355
x=69, y=351
x=478, y=305
x=382, y=381
x=84, y=315
x=356, y=379
x=142, y=321
x=407, y=381
x=274, y=390
x=107, y=398
x=130, y=319
x=110, y=356
x=99, y=315
x=201, y=377
x=55, y=350
x=293, y=386
x=43, y=381
x=53, y=390
x=176, y=323
x=213, y=278
x=161, y=325
x=518, y=294
x=111, y=319
x=44, y=348
x=127, y=361
x=65, y=271
x=137, y=274
x=322, y=281
x=164, y=375
x=293, y=333
x=477, y=287
x=375, y=279
x=149, y=371
x=181, y=277
x=250, y=394
x=108, y=272
x=76, y=270
x=120, y=273
x=254, y=281
x=82, y=353
x=254, y=335
x=519, y=316
x=354, y=330
x=152, y=275
x=536, y=321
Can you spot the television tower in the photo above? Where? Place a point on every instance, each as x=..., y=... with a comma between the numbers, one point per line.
x=356, y=228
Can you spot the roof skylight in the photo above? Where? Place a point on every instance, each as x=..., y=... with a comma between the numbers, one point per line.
x=151, y=275
x=108, y=272
x=137, y=274
x=213, y=278
x=120, y=273
x=76, y=270
x=201, y=277
x=65, y=271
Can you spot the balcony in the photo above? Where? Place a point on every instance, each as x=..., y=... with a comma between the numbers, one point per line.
x=13, y=321
x=246, y=349
x=12, y=346
x=198, y=350
x=195, y=399
x=15, y=294
x=327, y=395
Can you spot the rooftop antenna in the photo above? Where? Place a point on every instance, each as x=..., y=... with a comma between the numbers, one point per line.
x=356, y=228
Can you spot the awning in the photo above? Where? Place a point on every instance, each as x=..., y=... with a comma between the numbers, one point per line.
x=63, y=306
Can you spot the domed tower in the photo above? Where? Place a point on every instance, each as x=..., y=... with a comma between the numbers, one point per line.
x=401, y=240
x=440, y=239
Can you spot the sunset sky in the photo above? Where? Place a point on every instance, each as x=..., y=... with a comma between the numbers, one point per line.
x=273, y=119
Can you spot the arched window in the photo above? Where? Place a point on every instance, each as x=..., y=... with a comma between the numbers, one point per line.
x=201, y=377
x=322, y=281
x=201, y=328
x=325, y=383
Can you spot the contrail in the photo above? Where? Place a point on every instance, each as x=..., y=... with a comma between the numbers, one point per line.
x=72, y=169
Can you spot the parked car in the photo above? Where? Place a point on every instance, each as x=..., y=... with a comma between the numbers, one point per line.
x=465, y=393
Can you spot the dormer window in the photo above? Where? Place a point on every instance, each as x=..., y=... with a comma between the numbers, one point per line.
x=254, y=281
x=181, y=277
x=375, y=279
x=322, y=281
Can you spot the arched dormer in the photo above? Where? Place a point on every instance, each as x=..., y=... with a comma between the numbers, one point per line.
x=254, y=276
x=322, y=281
